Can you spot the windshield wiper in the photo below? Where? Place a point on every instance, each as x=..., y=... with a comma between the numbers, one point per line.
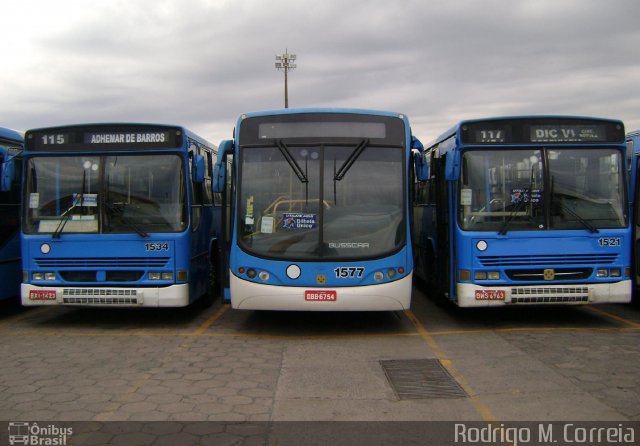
x=78, y=199
x=516, y=209
x=66, y=215
x=292, y=162
x=350, y=160
x=584, y=222
x=119, y=210
x=514, y=212
x=578, y=217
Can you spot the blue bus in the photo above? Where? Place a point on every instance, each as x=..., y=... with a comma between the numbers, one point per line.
x=525, y=210
x=316, y=210
x=11, y=145
x=633, y=156
x=118, y=214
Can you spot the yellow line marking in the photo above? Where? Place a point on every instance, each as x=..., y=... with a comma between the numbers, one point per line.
x=480, y=407
x=614, y=317
x=209, y=322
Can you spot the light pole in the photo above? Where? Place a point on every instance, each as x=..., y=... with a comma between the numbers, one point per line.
x=283, y=62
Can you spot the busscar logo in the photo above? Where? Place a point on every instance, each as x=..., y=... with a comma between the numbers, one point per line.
x=32, y=434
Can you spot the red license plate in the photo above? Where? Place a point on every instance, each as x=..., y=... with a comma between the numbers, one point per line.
x=490, y=295
x=42, y=295
x=321, y=295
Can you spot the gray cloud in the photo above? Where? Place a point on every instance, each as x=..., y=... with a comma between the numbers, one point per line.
x=202, y=63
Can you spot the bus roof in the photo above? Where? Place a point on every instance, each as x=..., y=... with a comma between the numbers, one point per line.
x=10, y=135
x=456, y=129
x=633, y=133
x=290, y=111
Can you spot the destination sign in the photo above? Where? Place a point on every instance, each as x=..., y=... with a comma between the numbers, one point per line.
x=107, y=137
x=333, y=127
x=552, y=130
x=490, y=135
x=568, y=133
x=125, y=138
x=322, y=129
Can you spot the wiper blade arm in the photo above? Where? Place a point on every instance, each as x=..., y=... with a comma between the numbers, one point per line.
x=514, y=212
x=292, y=162
x=578, y=217
x=516, y=209
x=66, y=215
x=350, y=160
x=113, y=210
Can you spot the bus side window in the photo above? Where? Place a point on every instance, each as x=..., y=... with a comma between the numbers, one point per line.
x=196, y=197
x=208, y=175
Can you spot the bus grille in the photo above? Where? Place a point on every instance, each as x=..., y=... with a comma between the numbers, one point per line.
x=100, y=296
x=558, y=274
x=102, y=262
x=547, y=259
x=533, y=295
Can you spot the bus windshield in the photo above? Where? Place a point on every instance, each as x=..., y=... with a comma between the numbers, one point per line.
x=91, y=194
x=333, y=201
x=505, y=190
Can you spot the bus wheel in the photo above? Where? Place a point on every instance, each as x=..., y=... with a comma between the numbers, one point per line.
x=212, y=289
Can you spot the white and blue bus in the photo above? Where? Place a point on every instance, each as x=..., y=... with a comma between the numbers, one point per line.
x=118, y=214
x=317, y=210
x=11, y=145
x=633, y=156
x=525, y=210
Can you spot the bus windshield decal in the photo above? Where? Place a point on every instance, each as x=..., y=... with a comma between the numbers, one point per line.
x=299, y=221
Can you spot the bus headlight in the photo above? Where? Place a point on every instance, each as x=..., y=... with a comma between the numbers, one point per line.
x=378, y=276
x=615, y=272
x=43, y=276
x=167, y=276
x=602, y=273
x=264, y=276
x=154, y=276
x=486, y=275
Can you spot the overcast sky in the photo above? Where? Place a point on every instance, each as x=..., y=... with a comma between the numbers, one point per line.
x=201, y=63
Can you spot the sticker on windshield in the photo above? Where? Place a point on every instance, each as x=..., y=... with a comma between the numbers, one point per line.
x=522, y=194
x=299, y=221
x=86, y=200
x=34, y=200
x=266, y=225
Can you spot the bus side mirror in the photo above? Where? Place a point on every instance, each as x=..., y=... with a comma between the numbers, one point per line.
x=419, y=160
x=220, y=169
x=7, y=174
x=198, y=169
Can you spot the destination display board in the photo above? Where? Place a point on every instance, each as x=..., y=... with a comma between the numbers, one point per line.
x=542, y=130
x=378, y=129
x=104, y=137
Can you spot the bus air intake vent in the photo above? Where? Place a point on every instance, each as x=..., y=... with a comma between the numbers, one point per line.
x=102, y=262
x=533, y=295
x=420, y=378
x=100, y=296
x=548, y=260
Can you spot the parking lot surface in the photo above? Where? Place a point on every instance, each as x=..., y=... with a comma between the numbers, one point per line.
x=248, y=369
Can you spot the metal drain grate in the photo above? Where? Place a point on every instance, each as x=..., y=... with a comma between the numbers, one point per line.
x=420, y=378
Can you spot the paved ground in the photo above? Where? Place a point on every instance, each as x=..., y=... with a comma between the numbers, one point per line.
x=225, y=366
